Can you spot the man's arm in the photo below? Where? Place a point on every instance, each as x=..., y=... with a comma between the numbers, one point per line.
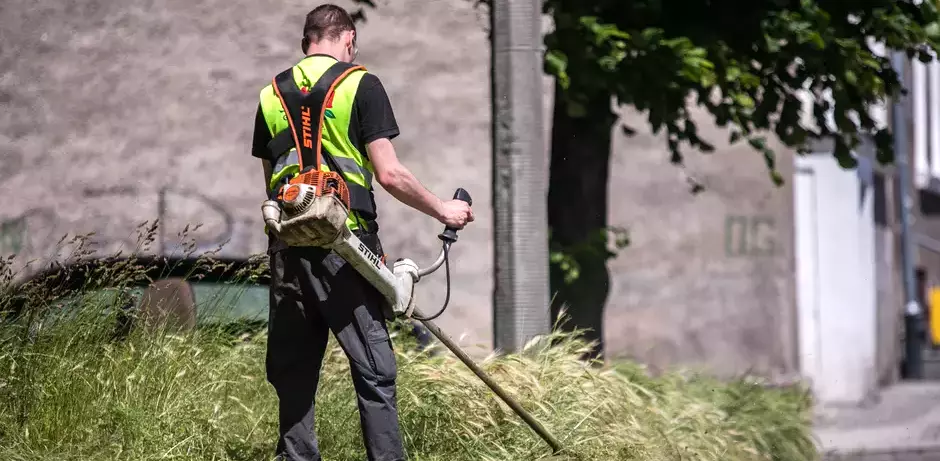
x=259, y=145
x=377, y=128
x=400, y=182
x=266, y=166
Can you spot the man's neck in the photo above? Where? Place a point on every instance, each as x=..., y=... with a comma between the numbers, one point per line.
x=310, y=55
x=323, y=51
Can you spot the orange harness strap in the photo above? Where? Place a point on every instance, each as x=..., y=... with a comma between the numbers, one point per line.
x=299, y=107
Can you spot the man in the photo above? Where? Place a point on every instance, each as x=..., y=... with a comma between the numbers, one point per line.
x=314, y=291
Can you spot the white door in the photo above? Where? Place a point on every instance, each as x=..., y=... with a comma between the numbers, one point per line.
x=835, y=277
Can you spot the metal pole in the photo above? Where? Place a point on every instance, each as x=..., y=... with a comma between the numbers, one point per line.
x=914, y=365
x=520, y=176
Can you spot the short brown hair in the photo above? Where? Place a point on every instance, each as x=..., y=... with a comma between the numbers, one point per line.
x=327, y=22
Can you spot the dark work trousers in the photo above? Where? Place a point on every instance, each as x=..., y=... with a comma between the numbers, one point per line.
x=312, y=293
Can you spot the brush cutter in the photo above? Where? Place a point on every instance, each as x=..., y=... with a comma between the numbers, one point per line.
x=312, y=212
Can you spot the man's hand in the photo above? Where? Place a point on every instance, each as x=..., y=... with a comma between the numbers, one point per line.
x=456, y=214
x=398, y=181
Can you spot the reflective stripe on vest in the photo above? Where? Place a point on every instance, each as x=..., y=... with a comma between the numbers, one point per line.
x=337, y=149
x=348, y=165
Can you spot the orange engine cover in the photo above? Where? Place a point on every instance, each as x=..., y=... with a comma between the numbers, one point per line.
x=325, y=182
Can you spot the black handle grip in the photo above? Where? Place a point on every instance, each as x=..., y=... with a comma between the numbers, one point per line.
x=450, y=233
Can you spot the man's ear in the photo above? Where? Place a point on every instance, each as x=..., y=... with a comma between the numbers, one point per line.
x=304, y=44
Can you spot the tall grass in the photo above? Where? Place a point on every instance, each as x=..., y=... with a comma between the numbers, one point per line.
x=73, y=386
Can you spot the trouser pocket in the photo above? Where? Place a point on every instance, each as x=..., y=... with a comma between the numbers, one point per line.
x=381, y=355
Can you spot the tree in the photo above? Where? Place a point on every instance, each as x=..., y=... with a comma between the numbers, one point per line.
x=746, y=62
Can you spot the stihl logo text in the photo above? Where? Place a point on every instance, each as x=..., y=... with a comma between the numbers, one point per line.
x=307, y=128
x=369, y=255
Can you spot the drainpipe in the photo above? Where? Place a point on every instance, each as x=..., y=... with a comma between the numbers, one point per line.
x=913, y=356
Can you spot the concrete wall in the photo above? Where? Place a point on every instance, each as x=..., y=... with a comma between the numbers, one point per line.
x=708, y=280
x=115, y=102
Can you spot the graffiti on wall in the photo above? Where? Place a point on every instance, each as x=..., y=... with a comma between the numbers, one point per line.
x=206, y=208
x=750, y=236
x=113, y=214
x=22, y=234
x=12, y=234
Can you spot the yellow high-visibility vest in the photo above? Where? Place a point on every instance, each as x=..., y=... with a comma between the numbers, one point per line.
x=314, y=75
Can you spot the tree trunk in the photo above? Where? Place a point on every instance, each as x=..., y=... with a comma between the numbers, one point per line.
x=577, y=214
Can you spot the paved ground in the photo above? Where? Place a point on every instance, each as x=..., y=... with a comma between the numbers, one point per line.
x=901, y=424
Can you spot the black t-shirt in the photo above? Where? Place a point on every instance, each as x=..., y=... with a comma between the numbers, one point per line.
x=372, y=118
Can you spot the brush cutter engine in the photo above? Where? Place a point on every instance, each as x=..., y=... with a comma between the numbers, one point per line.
x=312, y=211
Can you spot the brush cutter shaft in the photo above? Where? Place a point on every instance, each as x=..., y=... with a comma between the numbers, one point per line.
x=397, y=287
x=502, y=394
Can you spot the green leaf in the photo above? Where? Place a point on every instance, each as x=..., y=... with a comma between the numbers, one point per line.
x=851, y=78
x=759, y=143
x=576, y=109
x=773, y=44
x=843, y=154
x=884, y=143
x=932, y=31
x=816, y=40
x=744, y=100
x=556, y=64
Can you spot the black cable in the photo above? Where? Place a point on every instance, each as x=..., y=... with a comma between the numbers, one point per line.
x=447, y=277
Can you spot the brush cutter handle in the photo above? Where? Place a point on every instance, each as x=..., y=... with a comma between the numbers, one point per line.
x=450, y=233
